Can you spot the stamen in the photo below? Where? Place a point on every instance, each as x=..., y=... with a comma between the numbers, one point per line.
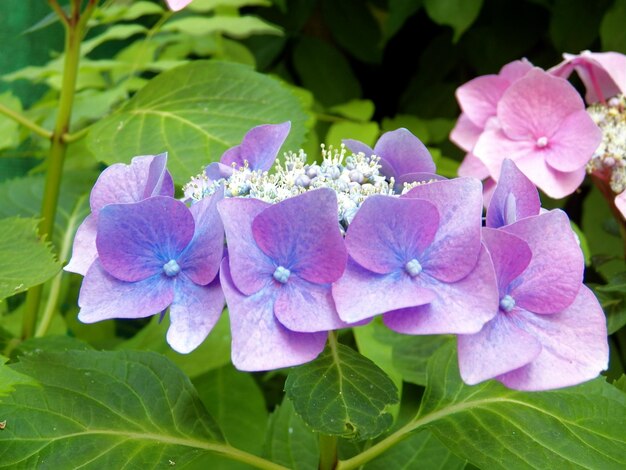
x=413, y=267
x=507, y=303
x=281, y=274
x=542, y=141
x=171, y=268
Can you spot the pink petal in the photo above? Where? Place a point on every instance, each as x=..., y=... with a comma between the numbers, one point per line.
x=500, y=347
x=620, y=203
x=574, y=346
x=553, y=278
x=103, y=297
x=465, y=134
x=176, y=5
x=84, y=250
x=193, y=313
x=361, y=294
x=259, y=146
x=306, y=307
x=554, y=183
x=252, y=269
x=473, y=166
x=462, y=307
x=515, y=70
x=479, y=97
x=259, y=340
x=493, y=147
x=302, y=234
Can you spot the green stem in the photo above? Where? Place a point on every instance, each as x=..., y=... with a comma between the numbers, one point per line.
x=74, y=31
x=244, y=457
x=24, y=121
x=74, y=136
x=328, y=452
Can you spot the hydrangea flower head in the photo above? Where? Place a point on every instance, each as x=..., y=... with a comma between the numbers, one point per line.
x=549, y=330
x=403, y=156
x=154, y=254
x=603, y=73
x=146, y=176
x=282, y=259
x=544, y=128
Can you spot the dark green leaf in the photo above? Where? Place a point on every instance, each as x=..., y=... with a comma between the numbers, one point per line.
x=612, y=297
x=411, y=355
x=621, y=383
x=25, y=260
x=612, y=31
x=399, y=12
x=103, y=410
x=459, y=14
x=196, y=112
x=10, y=378
x=574, y=24
x=289, y=441
x=495, y=427
x=342, y=393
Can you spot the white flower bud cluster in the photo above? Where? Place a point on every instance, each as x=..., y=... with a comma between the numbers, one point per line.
x=353, y=177
x=610, y=156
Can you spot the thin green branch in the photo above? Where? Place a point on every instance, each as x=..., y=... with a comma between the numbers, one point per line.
x=75, y=136
x=24, y=121
x=59, y=11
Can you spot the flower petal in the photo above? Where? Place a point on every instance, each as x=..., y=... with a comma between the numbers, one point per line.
x=260, y=341
x=216, y=171
x=103, y=297
x=84, y=250
x=135, y=240
x=465, y=133
x=515, y=197
x=461, y=307
x=201, y=259
x=302, y=234
x=176, y=5
x=193, y=313
x=574, y=346
x=479, y=97
x=259, y=146
x=500, y=347
x=360, y=294
x=358, y=147
x=493, y=147
x=401, y=153
x=553, y=277
x=515, y=70
x=456, y=246
x=473, y=166
x=620, y=203
x=388, y=232
x=306, y=307
x=510, y=256
x=556, y=184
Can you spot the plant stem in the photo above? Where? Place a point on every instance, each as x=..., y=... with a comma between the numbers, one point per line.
x=24, y=121
x=74, y=30
x=328, y=452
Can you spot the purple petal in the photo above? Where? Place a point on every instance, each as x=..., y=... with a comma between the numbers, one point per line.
x=360, y=294
x=500, y=347
x=135, y=240
x=103, y=297
x=358, y=147
x=551, y=281
x=515, y=197
x=84, y=250
x=479, y=97
x=306, y=307
x=574, y=346
x=252, y=269
x=201, y=259
x=302, y=234
x=510, y=256
x=145, y=176
x=216, y=171
x=259, y=146
x=259, y=340
x=388, y=232
x=193, y=313
x=401, y=153
x=459, y=308
x=454, y=251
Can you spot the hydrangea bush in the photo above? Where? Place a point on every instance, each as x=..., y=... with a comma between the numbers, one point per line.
x=414, y=316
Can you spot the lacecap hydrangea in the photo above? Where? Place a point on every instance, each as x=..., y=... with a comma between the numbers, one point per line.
x=315, y=247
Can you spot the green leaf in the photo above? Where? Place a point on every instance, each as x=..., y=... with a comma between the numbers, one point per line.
x=612, y=297
x=137, y=9
x=205, y=6
x=235, y=401
x=399, y=12
x=25, y=260
x=214, y=352
x=239, y=27
x=9, y=129
x=342, y=393
x=325, y=71
x=414, y=124
x=289, y=441
x=412, y=353
x=195, y=112
x=574, y=24
x=113, y=33
x=460, y=14
x=421, y=450
x=612, y=31
x=621, y=383
x=366, y=132
x=495, y=427
x=9, y=379
x=357, y=110
x=103, y=410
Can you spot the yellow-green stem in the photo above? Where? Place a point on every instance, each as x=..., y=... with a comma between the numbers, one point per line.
x=24, y=121
x=328, y=452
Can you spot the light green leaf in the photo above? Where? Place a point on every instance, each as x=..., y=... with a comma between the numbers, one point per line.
x=235, y=401
x=195, y=113
x=117, y=32
x=412, y=353
x=214, y=352
x=289, y=441
x=9, y=129
x=117, y=12
x=10, y=378
x=621, y=383
x=459, y=14
x=414, y=124
x=366, y=132
x=103, y=410
x=612, y=31
x=357, y=110
x=342, y=393
x=25, y=260
x=205, y=6
x=498, y=428
x=239, y=27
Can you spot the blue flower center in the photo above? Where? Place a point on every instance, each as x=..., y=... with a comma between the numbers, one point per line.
x=171, y=268
x=413, y=267
x=507, y=303
x=281, y=274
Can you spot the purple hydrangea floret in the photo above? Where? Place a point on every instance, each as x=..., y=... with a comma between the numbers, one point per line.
x=154, y=254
